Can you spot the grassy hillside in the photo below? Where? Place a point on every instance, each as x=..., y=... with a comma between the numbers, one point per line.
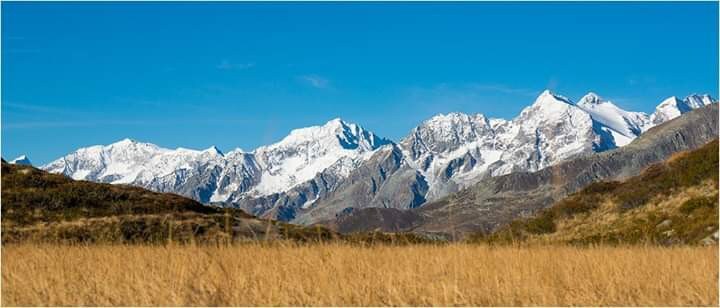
x=673, y=202
x=43, y=207
x=38, y=206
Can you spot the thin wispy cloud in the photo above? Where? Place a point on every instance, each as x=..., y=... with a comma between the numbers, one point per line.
x=58, y=124
x=226, y=65
x=637, y=80
x=33, y=108
x=315, y=81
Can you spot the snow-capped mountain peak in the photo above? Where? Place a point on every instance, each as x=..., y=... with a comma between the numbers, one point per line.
x=126, y=141
x=21, y=160
x=671, y=101
x=623, y=125
x=591, y=99
x=445, y=121
x=454, y=125
x=334, y=133
x=213, y=150
x=670, y=108
x=549, y=102
x=445, y=133
x=330, y=128
x=697, y=101
x=308, y=151
x=547, y=107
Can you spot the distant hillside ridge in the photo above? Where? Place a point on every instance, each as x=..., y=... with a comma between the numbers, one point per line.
x=38, y=206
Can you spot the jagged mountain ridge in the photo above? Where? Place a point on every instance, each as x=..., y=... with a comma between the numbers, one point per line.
x=493, y=202
x=211, y=176
x=455, y=150
x=312, y=173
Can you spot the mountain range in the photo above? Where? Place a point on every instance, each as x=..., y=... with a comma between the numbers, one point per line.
x=496, y=201
x=319, y=173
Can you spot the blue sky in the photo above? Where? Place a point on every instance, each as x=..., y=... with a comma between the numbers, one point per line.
x=245, y=74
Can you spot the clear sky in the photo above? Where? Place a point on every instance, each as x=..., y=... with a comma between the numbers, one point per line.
x=245, y=74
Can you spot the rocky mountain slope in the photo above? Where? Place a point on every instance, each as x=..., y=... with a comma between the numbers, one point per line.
x=495, y=201
x=316, y=173
x=673, y=202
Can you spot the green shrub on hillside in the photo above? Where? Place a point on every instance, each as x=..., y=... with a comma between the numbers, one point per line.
x=698, y=203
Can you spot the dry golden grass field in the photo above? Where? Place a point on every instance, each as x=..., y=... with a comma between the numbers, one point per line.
x=342, y=275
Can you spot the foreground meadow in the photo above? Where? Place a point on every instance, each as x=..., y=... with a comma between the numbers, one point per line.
x=339, y=275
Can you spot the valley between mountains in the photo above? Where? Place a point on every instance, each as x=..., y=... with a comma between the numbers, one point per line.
x=453, y=173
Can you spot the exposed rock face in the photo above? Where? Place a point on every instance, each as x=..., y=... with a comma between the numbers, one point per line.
x=495, y=201
x=385, y=181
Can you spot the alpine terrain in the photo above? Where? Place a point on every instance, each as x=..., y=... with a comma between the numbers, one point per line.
x=318, y=173
x=493, y=202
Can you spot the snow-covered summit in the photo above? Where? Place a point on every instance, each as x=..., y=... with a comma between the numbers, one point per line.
x=213, y=150
x=673, y=107
x=548, y=106
x=130, y=161
x=307, y=151
x=21, y=160
x=590, y=99
x=445, y=133
x=622, y=125
x=549, y=100
x=696, y=101
x=334, y=133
